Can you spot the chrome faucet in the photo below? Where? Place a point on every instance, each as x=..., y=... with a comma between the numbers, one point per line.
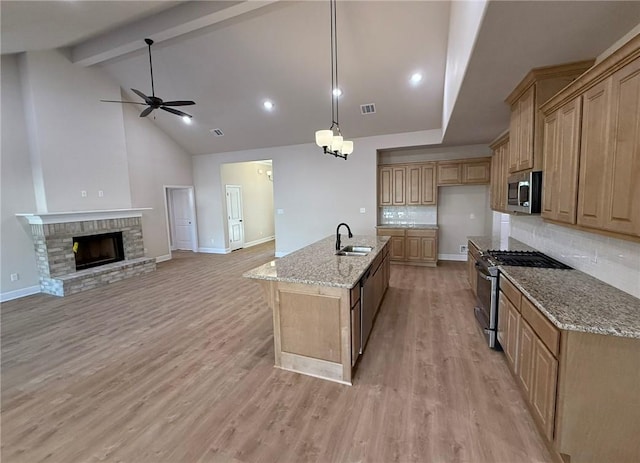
x=338, y=234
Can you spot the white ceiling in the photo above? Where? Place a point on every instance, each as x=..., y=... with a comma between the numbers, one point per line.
x=231, y=56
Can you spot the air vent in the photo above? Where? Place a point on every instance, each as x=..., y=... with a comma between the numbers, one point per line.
x=217, y=132
x=368, y=108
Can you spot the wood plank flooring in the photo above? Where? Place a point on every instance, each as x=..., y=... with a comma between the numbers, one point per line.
x=177, y=366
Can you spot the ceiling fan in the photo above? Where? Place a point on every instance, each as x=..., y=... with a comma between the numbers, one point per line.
x=154, y=102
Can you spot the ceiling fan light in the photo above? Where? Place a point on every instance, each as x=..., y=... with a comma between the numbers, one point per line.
x=324, y=137
x=336, y=143
x=347, y=147
x=186, y=119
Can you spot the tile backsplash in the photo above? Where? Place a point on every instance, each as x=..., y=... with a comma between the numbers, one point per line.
x=407, y=215
x=614, y=261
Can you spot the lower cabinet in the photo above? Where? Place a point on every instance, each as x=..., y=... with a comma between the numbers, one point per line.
x=413, y=246
x=473, y=255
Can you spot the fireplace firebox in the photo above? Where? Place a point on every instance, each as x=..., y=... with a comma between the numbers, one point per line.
x=95, y=250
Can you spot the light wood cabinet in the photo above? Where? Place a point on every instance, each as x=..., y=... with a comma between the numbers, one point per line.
x=526, y=123
x=511, y=331
x=607, y=165
x=413, y=246
x=385, y=186
x=499, y=172
x=355, y=332
x=449, y=173
x=476, y=171
x=407, y=185
x=473, y=255
x=526, y=347
x=561, y=153
x=429, y=186
x=543, y=386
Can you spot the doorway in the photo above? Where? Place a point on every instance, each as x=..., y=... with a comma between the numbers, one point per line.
x=235, y=217
x=181, y=218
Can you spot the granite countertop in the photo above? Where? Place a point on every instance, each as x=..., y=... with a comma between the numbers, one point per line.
x=486, y=243
x=317, y=263
x=571, y=299
x=425, y=226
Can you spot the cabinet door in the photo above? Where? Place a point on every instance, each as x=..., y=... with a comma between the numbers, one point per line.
x=449, y=173
x=526, y=115
x=496, y=178
x=514, y=139
x=526, y=349
x=397, y=248
x=429, y=186
x=592, y=189
x=398, y=186
x=413, y=245
x=428, y=250
x=355, y=333
x=385, y=181
x=513, y=322
x=543, y=388
x=504, y=171
x=622, y=179
x=550, y=156
x=502, y=319
x=413, y=185
x=476, y=172
x=471, y=272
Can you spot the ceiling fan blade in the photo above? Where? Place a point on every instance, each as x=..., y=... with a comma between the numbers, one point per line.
x=142, y=95
x=146, y=112
x=130, y=102
x=178, y=103
x=175, y=111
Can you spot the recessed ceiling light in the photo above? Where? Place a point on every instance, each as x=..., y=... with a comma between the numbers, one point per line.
x=268, y=105
x=186, y=119
x=337, y=92
x=416, y=78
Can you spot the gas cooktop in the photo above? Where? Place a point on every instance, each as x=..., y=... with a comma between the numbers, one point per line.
x=525, y=259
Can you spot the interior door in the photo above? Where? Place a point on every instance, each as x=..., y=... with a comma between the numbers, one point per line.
x=182, y=220
x=234, y=217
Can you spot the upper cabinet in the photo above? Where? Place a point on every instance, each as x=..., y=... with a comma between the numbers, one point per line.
x=407, y=185
x=592, y=147
x=499, y=172
x=474, y=171
x=526, y=125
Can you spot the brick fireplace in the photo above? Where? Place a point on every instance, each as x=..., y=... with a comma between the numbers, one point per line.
x=59, y=238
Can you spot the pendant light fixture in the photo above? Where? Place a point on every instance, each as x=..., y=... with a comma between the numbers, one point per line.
x=331, y=140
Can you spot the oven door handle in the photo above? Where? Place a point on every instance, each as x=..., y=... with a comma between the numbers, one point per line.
x=484, y=276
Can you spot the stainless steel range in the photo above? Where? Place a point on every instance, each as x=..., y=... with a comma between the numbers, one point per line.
x=486, y=312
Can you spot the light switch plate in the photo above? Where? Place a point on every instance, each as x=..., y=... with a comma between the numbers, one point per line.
x=280, y=211
x=362, y=210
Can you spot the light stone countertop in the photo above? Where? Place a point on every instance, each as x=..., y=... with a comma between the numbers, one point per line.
x=317, y=263
x=423, y=226
x=488, y=243
x=571, y=299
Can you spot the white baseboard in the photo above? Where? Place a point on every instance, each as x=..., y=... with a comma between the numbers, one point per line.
x=163, y=258
x=282, y=253
x=11, y=295
x=214, y=250
x=260, y=241
x=456, y=257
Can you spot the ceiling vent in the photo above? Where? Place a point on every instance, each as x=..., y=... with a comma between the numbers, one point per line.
x=368, y=108
x=217, y=132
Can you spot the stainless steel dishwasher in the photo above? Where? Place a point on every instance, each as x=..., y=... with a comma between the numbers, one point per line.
x=368, y=307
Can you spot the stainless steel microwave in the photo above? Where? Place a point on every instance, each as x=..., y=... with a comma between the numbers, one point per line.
x=524, y=192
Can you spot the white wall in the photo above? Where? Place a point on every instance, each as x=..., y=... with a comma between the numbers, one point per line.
x=614, y=261
x=465, y=19
x=76, y=142
x=257, y=198
x=154, y=160
x=17, y=195
x=314, y=190
x=461, y=213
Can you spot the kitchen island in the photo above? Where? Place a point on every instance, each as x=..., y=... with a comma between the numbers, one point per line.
x=324, y=304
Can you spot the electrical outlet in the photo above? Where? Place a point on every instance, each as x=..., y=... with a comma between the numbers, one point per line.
x=280, y=211
x=362, y=210
x=100, y=193
x=213, y=241
x=463, y=249
x=83, y=193
x=15, y=276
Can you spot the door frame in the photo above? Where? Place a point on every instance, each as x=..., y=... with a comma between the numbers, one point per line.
x=226, y=205
x=167, y=214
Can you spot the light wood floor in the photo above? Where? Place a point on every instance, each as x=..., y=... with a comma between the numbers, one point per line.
x=177, y=366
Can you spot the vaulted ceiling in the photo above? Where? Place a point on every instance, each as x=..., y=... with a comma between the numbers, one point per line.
x=230, y=56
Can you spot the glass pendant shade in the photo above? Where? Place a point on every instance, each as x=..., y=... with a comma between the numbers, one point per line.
x=347, y=147
x=336, y=144
x=324, y=137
